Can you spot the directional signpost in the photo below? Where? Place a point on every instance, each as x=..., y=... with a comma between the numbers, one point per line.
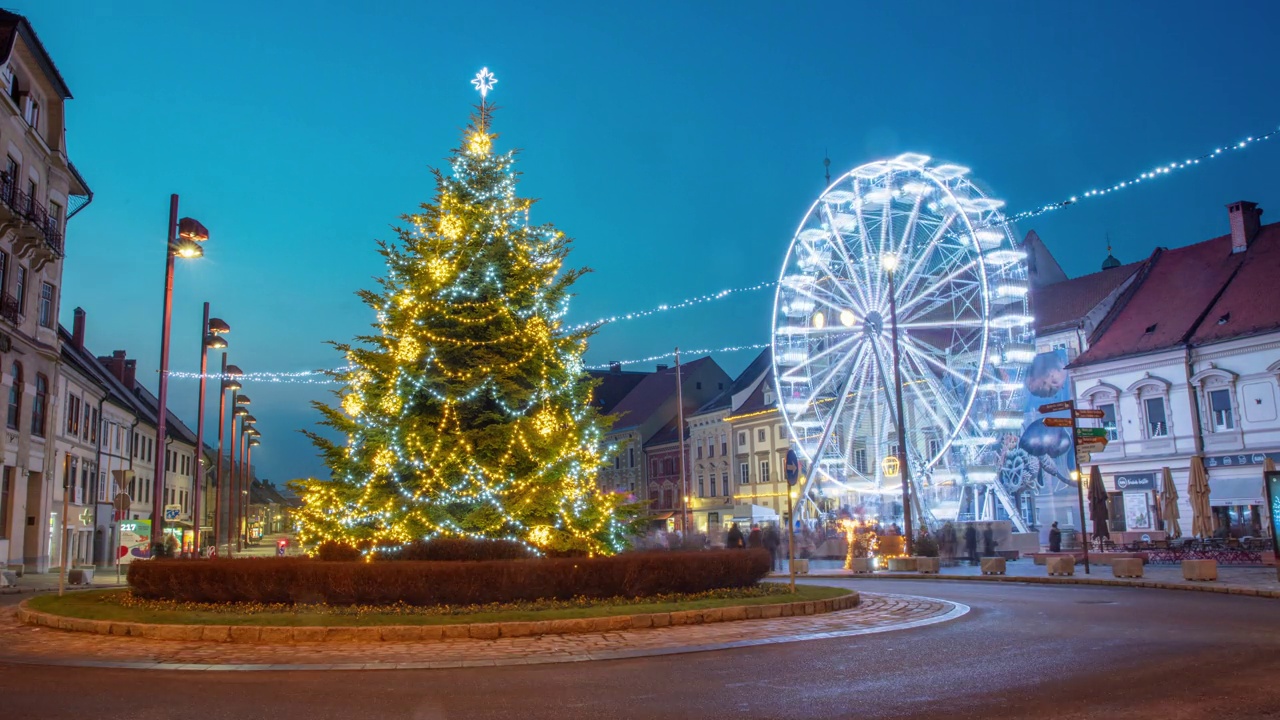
x=1056, y=407
x=1059, y=422
x=1089, y=414
x=1087, y=441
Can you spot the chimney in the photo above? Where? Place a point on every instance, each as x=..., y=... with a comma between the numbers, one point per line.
x=114, y=364
x=1246, y=220
x=130, y=373
x=661, y=367
x=615, y=367
x=77, y=329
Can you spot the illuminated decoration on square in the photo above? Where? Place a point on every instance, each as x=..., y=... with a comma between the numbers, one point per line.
x=468, y=415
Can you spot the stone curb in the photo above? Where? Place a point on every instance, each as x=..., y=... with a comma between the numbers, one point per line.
x=432, y=633
x=1207, y=586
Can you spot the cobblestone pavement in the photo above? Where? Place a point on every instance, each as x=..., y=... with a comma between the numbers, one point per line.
x=1237, y=580
x=877, y=613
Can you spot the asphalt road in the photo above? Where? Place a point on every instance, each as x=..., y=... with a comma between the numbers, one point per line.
x=1031, y=651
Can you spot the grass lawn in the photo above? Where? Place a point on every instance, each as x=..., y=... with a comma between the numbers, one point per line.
x=100, y=605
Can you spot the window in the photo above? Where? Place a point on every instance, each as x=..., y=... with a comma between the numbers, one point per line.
x=32, y=114
x=69, y=470
x=668, y=467
x=11, y=169
x=1157, y=423
x=46, y=305
x=764, y=471
x=782, y=432
x=1109, y=421
x=55, y=216
x=119, y=432
x=724, y=444
x=711, y=448
x=39, y=404
x=93, y=427
x=32, y=190
x=760, y=435
x=724, y=483
x=742, y=441
x=6, y=497
x=702, y=486
x=15, y=396
x=860, y=460
x=4, y=270
x=20, y=290
x=631, y=457
x=135, y=446
x=1220, y=408
x=744, y=474
x=699, y=451
x=617, y=462
x=73, y=415
x=654, y=471
x=934, y=447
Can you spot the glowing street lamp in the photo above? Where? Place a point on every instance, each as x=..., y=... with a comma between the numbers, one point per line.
x=229, y=382
x=185, y=240
x=889, y=263
x=211, y=330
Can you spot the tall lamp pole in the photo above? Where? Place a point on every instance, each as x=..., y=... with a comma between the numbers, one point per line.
x=246, y=482
x=220, y=521
x=210, y=330
x=184, y=240
x=233, y=501
x=248, y=461
x=890, y=264
x=684, y=488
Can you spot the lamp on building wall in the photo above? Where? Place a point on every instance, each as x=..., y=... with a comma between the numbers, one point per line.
x=186, y=239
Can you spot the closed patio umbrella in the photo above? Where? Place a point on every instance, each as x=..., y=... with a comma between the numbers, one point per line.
x=1268, y=466
x=1098, y=504
x=1169, y=505
x=1198, y=492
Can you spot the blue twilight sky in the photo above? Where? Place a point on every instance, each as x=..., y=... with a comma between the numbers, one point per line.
x=679, y=143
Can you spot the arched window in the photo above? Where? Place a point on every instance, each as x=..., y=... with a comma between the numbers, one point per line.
x=15, y=395
x=39, y=405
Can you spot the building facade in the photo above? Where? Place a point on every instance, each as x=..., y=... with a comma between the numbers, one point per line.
x=39, y=191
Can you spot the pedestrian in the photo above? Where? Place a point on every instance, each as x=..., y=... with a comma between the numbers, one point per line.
x=988, y=541
x=772, y=542
x=971, y=543
x=947, y=541
x=734, y=540
x=1055, y=538
x=756, y=538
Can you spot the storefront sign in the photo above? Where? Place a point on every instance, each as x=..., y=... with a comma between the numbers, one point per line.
x=1241, y=459
x=1136, y=481
x=1137, y=511
x=135, y=541
x=1273, y=502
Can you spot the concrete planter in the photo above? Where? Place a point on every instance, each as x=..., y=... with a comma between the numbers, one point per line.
x=80, y=576
x=1127, y=568
x=902, y=564
x=801, y=566
x=1062, y=565
x=862, y=565
x=1206, y=570
x=993, y=566
x=928, y=565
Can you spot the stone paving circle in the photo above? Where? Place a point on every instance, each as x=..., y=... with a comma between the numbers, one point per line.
x=875, y=613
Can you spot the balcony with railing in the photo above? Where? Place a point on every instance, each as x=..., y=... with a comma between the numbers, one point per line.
x=10, y=309
x=38, y=230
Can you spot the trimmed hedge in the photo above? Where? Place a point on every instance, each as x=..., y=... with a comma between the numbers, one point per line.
x=444, y=549
x=299, y=580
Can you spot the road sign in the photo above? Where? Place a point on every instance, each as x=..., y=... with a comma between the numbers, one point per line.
x=171, y=512
x=1059, y=422
x=1091, y=432
x=122, y=502
x=792, y=467
x=1090, y=414
x=1058, y=406
x=1090, y=445
x=1083, y=457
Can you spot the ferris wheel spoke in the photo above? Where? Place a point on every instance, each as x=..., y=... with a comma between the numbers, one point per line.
x=927, y=293
x=908, y=229
x=937, y=364
x=829, y=374
x=827, y=300
x=860, y=283
x=933, y=405
x=835, y=281
x=864, y=239
x=942, y=324
x=833, y=418
x=911, y=277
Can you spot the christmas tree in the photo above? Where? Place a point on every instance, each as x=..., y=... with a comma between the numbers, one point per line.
x=469, y=412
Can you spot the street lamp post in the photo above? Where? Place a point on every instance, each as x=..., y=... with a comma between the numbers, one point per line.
x=184, y=240
x=246, y=428
x=210, y=330
x=248, y=461
x=890, y=264
x=229, y=382
x=238, y=409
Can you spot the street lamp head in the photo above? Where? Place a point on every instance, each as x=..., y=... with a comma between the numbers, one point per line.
x=187, y=249
x=243, y=400
x=889, y=261
x=231, y=384
x=218, y=326
x=249, y=419
x=240, y=410
x=253, y=442
x=193, y=230
x=213, y=342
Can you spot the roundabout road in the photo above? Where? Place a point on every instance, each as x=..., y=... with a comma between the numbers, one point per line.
x=1024, y=651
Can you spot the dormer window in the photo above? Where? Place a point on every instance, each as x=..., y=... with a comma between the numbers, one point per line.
x=32, y=114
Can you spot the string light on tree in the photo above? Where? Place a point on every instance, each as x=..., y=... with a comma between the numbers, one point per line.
x=466, y=412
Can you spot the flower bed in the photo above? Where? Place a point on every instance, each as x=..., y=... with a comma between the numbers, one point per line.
x=296, y=580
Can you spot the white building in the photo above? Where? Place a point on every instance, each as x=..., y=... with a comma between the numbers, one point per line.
x=39, y=191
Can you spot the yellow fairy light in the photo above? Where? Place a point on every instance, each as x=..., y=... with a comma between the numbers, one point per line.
x=545, y=422
x=390, y=404
x=439, y=269
x=352, y=404
x=479, y=143
x=384, y=459
x=541, y=535
x=451, y=226
x=408, y=350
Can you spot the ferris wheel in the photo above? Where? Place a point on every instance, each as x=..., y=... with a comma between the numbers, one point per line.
x=916, y=240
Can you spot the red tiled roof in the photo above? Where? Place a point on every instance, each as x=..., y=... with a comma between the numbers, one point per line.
x=1246, y=307
x=1063, y=304
x=650, y=393
x=666, y=436
x=613, y=387
x=755, y=401
x=1166, y=302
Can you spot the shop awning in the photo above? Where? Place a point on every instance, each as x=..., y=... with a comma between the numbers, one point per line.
x=662, y=516
x=1236, y=490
